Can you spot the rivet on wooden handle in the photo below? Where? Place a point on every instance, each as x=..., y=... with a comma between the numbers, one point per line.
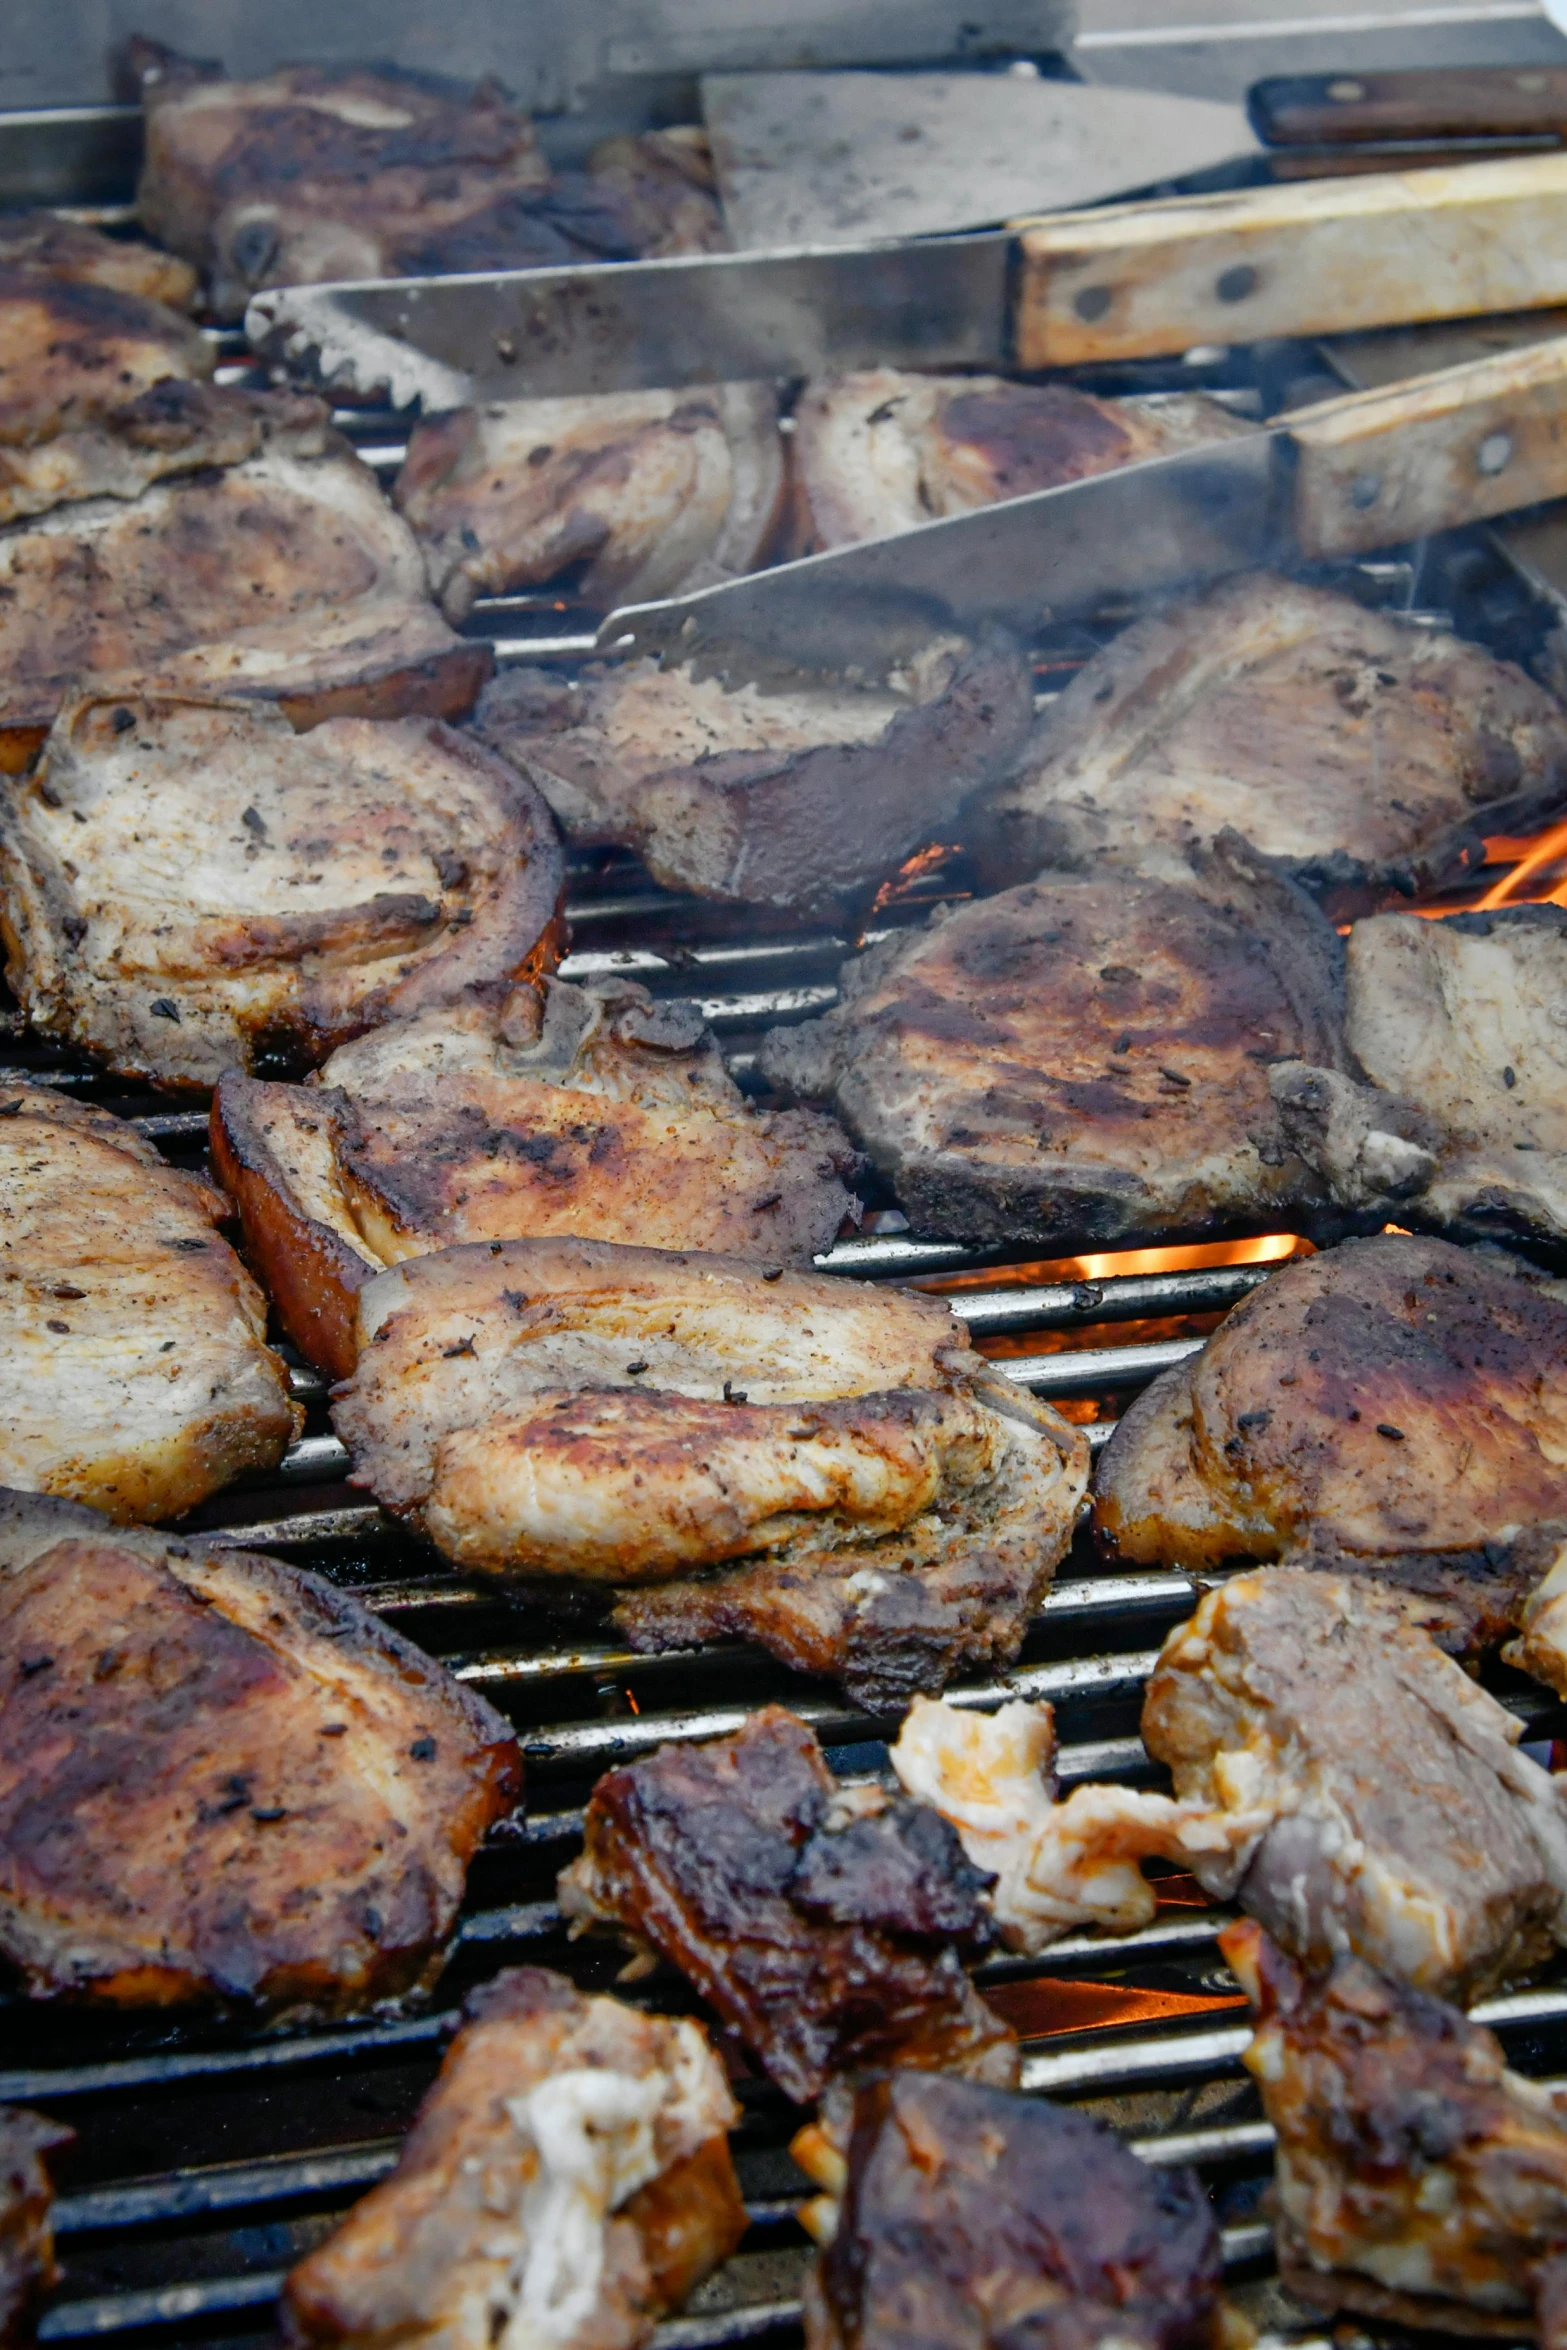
x=1324, y=257
x=1378, y=468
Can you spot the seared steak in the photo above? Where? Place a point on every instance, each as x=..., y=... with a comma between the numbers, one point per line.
x=1356, y=751
x=223, y=1779
x=27, y=2262
x=133, y=1372
x=604, y=1115
x=800, y=793
x=566, y=2181
x=51, y=246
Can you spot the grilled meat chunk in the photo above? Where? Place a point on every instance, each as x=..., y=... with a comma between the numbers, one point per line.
x=571, y=1408
x=1389, y=1810
x=286, y=578
x=663, y=185
x=796, y=793
x=27, y=2262
x=825, y=1931
x=601, y=1114
x=1083, y=1062
x=883, y=451
x=1056, y=1865
x=1396, y=1406
x=566, y=2182
x=71, y=353
x=223, y=1779
x=51, y=246
x=185, y=882
x=1356, y=751
x=1416, y=2179
x=133, y=1373
x=652, y=492
x=969, y=2219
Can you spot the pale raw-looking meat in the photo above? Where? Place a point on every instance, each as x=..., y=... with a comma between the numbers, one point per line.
x=52, y=246
x=1387, y=1807
x=27, y=2264
x=222, y=1779
x=286, y=578
x=1416, y=2179
x=185, y=882
x=566, y=2182
x=798, y=792
x=133, y=1369
x=649, y=492
x=599, y=1113
x=1358, y=752
x=559, y=1408
x=1084, y=1062
x=883, y=451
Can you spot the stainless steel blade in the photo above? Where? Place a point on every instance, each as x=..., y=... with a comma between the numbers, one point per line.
x=633, y=325
x=1127, y=534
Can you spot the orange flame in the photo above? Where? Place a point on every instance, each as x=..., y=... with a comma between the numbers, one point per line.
x=911, y=870
x=1267, y=1248
x=1517, y=885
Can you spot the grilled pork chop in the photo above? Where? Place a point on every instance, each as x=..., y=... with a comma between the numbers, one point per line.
x=1384, y=1803
x=284, y=578
x=1397, y=1407
x=27, y=2262
x=879, y=1506
x=1084, y=1062
x=185, y=882
x=799, y=793
x=70, y=353
x=966, y=2218
x=51, y=246
x=880, y=452
x=223, y=1779
x=824, y=1927
x=1416, y=2178
x=653, y=492
x=133, y=1372
x=1355, y=750
x=602, y=1114
x=566, y=2182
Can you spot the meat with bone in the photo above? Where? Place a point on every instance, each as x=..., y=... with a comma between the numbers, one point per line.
x=1389, y=1810
x=1355, y=750
x=652, y=492
x=186, y=883
x=51, y=246
x=600, y=1113
x=133, y=1372
x=967, y=2218
x=27, y=2262
x=1396, y=1406
x=1057, y=1865
x=284, y=578
x=823, y=1924
x=1084, y=1062
x=880, y=452
x=799, y=792
x=1416, y=2178
x=223, y=1779
x=861, y=1497
x=566, y=2182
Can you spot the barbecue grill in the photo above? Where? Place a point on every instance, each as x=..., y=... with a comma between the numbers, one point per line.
x=209, y=2159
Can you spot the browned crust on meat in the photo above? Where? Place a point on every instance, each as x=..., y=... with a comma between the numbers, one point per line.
x=58, y=248
x=28, y=2267
x=310, y=1273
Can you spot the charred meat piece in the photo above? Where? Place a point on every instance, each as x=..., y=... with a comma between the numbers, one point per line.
x=643, y=196
x=881, y=452
x=286, y=578
x=223, y=1778
x=1357, y=751
x=663, y=184
x=601, y=1114
x=1056, y=1865
x=185, y=882
x=1084, y=1061
x=71, y=353
x=797, y=793
x=1417, y=2179
x=650, y=491
x=880, y=1506
x=1389, y=1810
x=51, y=246
x=823, y=1924
x=27, y=2263
x=970, y=2219
x=133, y=1372
x=566, y=2181
x=1397, y=1406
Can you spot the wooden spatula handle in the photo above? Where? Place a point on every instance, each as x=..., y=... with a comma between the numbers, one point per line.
x=1430, y=102
x=1376, y=469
